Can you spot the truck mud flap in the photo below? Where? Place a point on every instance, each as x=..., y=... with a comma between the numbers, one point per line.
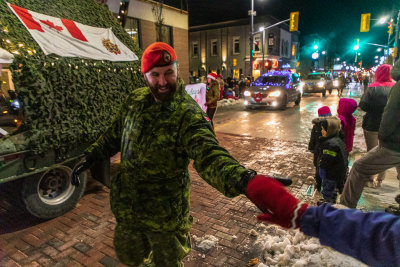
x=101, y=172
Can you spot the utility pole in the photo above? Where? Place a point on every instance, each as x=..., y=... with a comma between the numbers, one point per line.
x=251, y=38
x=396, y=37
x=263, y=40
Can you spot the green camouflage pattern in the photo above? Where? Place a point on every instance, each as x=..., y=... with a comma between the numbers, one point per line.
x=137, y=248
x=67, y=102
x=157, y=141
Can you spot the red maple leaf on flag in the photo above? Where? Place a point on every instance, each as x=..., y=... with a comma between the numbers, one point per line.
x=51, y=25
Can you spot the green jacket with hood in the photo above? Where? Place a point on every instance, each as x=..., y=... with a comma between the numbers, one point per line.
x=157, y=140
x=389, y=130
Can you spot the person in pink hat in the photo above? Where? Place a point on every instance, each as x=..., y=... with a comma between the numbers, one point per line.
x=314, y=144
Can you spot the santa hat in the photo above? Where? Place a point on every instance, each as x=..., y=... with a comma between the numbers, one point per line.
x=324, y=111
x=212, y=76
x=157, y=55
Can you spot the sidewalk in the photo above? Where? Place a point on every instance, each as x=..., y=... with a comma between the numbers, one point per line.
x=379, y=198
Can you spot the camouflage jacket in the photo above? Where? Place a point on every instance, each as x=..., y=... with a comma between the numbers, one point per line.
x=157, y=141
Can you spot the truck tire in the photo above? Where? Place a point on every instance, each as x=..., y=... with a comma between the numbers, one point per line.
x=50, y=194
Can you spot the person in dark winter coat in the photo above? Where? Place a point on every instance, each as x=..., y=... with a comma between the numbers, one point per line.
x=314, y=144
x=365, y=82
x=342, y=84
x=382, y=157
x=345, y=110
x=332, y=160
x=373, y=102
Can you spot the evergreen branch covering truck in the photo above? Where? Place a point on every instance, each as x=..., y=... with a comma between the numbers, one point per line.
x=53, y=106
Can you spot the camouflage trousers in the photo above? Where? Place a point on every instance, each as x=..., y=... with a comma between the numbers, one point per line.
x=151, y=249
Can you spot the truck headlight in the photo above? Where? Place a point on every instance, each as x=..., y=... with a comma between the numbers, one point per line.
x=321, y=84
x=247, y=93
x=275, y=93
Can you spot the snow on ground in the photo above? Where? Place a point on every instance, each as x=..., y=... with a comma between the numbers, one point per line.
x=206, y=242
x=359, y=142
x=274, y=246
x=229, y=102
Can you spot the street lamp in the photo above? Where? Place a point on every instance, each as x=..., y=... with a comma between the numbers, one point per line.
x=323, y=52
x=261, y=29
x=379, y=49
x=382, y=20
x=251, y=37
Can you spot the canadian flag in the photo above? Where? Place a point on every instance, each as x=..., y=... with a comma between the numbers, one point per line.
x=68, y=38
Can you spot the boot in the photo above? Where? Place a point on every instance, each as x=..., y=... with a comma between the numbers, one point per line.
x=395, y=210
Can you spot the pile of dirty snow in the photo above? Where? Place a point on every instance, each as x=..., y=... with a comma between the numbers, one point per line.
x=274, y=246
x=206, y=242
x=228, y=102
x=359, y=141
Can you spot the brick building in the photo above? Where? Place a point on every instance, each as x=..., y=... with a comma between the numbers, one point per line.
x=148, y=21
x=224, y=48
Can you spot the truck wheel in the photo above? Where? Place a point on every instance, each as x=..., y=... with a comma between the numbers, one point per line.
x=50, y=194
x=298, y=99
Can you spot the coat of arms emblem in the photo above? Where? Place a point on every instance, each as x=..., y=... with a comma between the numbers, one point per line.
x=113, y=48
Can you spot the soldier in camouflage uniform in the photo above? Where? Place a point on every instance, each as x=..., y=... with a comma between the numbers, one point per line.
x=159, y=130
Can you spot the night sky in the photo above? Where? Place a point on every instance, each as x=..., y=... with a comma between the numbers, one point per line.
x=336, y=22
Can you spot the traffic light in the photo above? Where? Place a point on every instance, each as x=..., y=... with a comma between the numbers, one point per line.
x=253, y=55
x=356, y=44
x=316, y=44
x=294, y=21
x=256, y=46
x=365, y=20
x=394, y=53
x=390, y=28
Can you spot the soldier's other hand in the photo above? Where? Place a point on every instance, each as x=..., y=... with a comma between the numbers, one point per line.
x=277, y=204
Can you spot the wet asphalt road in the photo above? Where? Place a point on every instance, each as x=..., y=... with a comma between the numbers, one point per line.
x=291, y=124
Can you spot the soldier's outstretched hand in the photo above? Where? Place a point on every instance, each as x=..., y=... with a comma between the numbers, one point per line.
x=276, y=203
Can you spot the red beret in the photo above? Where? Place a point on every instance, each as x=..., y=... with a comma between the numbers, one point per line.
x=157, y=55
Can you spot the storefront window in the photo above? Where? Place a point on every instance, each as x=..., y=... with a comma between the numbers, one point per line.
x=133, y=29
x=167, y=35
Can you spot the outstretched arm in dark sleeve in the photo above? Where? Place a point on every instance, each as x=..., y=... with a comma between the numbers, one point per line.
x=371, y=237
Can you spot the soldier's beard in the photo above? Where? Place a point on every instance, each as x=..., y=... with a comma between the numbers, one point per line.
x=163, y=93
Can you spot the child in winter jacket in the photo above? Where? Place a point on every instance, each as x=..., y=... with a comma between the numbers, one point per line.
x=333, y=159
x=345, y=110
x=314, y=144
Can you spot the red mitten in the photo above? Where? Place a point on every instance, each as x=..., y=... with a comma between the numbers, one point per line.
x=277, y=204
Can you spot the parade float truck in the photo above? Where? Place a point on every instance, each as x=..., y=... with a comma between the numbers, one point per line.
x=66, y=67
